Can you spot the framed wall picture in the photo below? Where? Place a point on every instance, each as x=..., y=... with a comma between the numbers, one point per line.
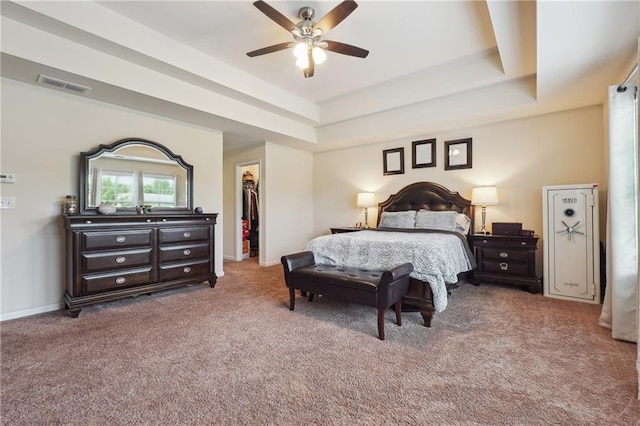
x=393, y=161
x=457, y=154
x=423, y=153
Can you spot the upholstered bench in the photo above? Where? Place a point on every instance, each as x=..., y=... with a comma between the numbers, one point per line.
x=379, y=289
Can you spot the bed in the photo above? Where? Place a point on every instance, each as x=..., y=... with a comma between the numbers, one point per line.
x=414, y=225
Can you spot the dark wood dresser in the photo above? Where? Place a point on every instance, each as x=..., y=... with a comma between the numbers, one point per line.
x=111, y=257
x=508, y=260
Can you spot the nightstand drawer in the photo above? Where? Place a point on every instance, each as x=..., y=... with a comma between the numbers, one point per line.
x=506, y=268
x=505, y=255
x=506, y=242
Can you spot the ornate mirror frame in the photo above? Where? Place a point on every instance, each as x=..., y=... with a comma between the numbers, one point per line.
x=111, y=150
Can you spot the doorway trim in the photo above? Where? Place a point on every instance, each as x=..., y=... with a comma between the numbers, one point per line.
x=238, y=209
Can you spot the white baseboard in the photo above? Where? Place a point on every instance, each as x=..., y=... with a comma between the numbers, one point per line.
x=31, y=311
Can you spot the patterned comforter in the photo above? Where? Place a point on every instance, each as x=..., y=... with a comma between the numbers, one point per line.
x=437, y=256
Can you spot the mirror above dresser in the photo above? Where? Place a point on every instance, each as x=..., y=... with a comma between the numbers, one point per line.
x=135, y=172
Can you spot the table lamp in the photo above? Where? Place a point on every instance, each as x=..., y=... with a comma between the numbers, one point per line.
x=484, y=196
x=366, y=200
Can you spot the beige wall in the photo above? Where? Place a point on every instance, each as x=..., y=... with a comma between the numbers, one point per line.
x=43, y=131
x=289, y=203
x=518, y=156
x=286, y=200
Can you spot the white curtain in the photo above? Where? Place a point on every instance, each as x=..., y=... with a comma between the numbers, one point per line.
x=621, y=307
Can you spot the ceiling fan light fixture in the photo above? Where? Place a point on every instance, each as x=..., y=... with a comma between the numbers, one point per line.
x=309, y=48
x=300, y=51
x=319, y=55
x=302, y=62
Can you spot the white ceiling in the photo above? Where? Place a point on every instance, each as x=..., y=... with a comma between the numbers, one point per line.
x=433, y=65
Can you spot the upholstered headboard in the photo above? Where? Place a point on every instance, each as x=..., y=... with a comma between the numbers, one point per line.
x=427, y=196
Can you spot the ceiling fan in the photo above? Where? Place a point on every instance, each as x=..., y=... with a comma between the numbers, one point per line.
x=309, y=48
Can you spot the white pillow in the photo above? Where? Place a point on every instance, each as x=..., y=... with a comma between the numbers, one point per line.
x=463, y=223
x=443, y=221
x=405, y=219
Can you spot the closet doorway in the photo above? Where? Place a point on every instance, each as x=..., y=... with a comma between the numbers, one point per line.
x=248, y=175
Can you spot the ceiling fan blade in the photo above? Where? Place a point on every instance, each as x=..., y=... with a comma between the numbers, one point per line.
x=336, y=15
x=309, y=71
x=345, y=49
x=270, y=49
x=275, y=16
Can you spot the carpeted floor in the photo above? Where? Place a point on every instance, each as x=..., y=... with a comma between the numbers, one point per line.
x=236, y=355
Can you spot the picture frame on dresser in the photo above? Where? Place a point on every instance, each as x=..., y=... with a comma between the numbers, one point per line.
x=393, y=161
x=458, y=154
x=423, y=153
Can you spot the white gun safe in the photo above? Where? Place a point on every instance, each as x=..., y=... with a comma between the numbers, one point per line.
x=571, y=243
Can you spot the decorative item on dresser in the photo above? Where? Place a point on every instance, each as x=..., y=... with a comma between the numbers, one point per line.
x=507, y=259
x=136, y=250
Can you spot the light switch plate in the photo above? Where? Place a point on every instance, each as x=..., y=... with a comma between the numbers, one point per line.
x=7, y=202
x=7, y=177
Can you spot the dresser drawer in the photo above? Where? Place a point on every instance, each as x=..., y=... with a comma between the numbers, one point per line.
x=114, y=280
x=506, y=268
x=118, y=239
x=184, y=270
x=510, y=255
x=114, y=260
x=184, y=253
x=182, y=235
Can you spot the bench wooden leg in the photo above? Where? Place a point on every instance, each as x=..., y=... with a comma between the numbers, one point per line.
x=398, y=307
x=381, y=323
x=427, y=315
x=292, y=299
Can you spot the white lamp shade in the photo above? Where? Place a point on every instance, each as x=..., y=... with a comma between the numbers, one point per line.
x=366, y=199
x=318, y=55
x=484, y=195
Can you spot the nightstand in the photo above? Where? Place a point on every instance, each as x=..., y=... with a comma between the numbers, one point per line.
x=344, y=229
x=507, y=259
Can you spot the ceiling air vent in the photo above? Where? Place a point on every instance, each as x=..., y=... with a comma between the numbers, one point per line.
x=51, y=81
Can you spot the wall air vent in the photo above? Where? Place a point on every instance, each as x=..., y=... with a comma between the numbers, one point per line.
x=51, y=81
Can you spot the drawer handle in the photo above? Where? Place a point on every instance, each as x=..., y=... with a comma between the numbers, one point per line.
x=187, y=252
x=164, y=219
x=87, y=221
x=484, y=241
x=149, y=220
x=523, y=243
x=206, y=218
x=504, y=254
x=187, y=270
x=186, y=234
x=504, y=266
x=121, y=239
x=120, y=259
x=120, y=280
